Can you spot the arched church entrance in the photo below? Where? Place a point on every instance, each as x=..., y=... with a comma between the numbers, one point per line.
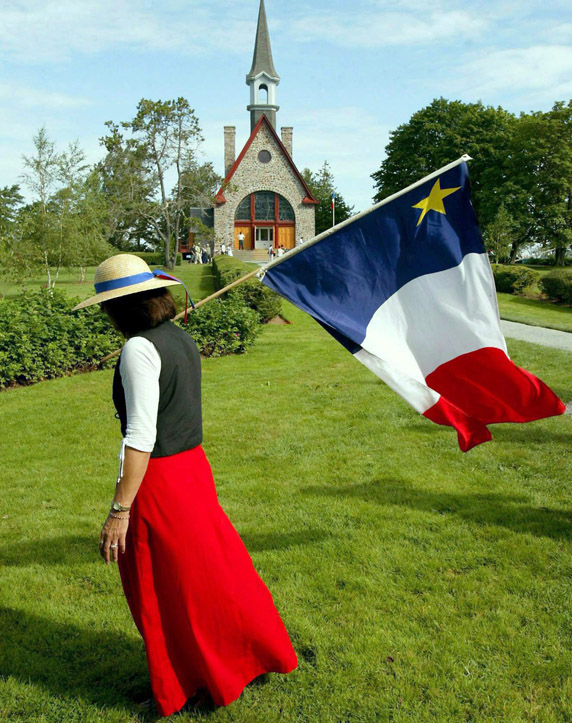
x=266, y=219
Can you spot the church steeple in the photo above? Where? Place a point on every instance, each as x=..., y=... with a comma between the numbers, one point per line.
x=263, y=77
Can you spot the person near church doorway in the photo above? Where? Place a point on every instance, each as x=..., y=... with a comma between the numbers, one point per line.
x=223, y=248
x=241, y=238
x=270, y=253
x=300, y=241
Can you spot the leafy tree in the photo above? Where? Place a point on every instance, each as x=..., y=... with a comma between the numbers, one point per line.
x=63, y=226
x=439, y=134
x=322, y=185
x=162, y=143
x=10, y=200
x=538, y=191
x=499, y=235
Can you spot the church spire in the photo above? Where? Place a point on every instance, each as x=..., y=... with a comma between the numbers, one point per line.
x=263, y=77
x=262, y=59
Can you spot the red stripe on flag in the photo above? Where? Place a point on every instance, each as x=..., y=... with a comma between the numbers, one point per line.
x=486, y=387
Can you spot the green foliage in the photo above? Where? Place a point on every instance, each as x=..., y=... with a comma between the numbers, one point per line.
x=558, y=285
x=155, y=258
x=10, y=200
x=162, y=140
x=499, y=235
x=252, y=293
x=322, y=185
x=439, y=134
x=513, y=279
x=523, y=164
x=40, y=338
x=223, y=327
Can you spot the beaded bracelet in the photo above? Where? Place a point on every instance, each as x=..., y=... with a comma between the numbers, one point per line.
x=117, y=517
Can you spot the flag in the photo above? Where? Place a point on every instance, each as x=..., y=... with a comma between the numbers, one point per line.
x=408, y=289
x=333, y=200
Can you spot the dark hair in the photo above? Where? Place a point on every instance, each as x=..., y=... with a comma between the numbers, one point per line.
x=138, y=312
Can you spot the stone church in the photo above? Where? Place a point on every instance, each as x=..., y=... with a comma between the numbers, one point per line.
x=263, y=194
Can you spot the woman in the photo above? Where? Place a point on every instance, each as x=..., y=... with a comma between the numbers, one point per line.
x=206, y=617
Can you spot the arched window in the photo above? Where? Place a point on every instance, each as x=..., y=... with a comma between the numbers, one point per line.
x=263, y=94
x=268, y=206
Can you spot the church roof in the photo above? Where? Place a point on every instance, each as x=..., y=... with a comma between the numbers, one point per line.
x=262, y=59
x=308, y=200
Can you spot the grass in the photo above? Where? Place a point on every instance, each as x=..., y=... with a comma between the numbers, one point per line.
x=417, y=583
x=198, y=279
x=535, y=312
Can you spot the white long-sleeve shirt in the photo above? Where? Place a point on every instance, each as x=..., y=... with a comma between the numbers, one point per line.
x=140, y=367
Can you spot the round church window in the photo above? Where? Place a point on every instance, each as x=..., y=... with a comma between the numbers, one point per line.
x=264, y=156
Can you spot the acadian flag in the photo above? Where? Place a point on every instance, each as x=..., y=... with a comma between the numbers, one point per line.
x=407, y=288
x=333, y=200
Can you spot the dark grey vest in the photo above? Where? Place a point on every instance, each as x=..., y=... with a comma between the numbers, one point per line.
x=179, y=421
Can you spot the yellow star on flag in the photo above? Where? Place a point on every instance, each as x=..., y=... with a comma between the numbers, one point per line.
x=434, y=201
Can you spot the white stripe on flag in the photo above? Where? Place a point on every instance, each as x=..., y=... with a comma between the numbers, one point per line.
x=436, y=318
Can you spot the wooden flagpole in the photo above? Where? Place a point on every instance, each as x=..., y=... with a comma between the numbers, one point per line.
x=218, y=293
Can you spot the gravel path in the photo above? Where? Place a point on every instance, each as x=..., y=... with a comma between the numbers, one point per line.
x=537, y=335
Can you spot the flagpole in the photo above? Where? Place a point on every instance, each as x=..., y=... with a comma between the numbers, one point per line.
x=320, y=237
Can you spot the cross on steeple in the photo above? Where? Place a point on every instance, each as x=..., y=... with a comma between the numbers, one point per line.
x=262, y=77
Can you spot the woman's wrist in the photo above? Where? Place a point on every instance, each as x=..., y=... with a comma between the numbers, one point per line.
x=118, y=517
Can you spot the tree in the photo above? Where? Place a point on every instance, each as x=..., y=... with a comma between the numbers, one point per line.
x=499, y=235
x=322, y=185
x=539, y=192
x=162, y=144
x=439, y=134
x=10, y=200
x=63, y=226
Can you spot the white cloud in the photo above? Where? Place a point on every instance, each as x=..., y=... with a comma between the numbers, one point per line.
x=18, y=95
x=541, y=72
x=40, y=31
x=376, y=28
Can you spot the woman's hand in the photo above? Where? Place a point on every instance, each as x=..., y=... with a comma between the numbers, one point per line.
x=112, y=538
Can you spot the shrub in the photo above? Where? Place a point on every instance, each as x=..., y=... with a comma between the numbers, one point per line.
x=156, y=258
x=557, y=285
x=223, y=327
x=513, y=279
x=41, y=339
x=252, y=293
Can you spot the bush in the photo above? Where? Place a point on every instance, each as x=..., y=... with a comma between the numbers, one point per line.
x=557, y=285
x=155, y=258
x=513, y=279
x=252, y=293
x=41, y=339
x=223, y=327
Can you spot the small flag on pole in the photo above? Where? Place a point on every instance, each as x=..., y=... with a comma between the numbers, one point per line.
x=407, y=288
x=333, y=200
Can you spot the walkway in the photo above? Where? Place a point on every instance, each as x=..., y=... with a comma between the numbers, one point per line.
x=537, y=335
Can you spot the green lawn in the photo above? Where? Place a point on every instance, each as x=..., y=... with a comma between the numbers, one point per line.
x=535, y=312
x=418, y=583
x=198, y=279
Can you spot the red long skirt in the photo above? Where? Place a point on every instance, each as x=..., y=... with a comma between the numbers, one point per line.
x=207, y=619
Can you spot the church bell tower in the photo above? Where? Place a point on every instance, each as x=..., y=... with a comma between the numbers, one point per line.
x=263, y=77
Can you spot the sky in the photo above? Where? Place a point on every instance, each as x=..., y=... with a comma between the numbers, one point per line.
x=350, y=71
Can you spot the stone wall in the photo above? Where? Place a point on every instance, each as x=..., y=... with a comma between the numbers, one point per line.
x=252, y=175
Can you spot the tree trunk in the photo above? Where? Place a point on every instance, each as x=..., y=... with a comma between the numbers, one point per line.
x=513, y=252
x=559, y=256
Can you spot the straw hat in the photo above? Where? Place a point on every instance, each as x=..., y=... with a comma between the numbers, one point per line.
x=124, y=274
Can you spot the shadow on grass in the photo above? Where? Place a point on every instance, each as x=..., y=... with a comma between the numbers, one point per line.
x=259, y=541
x=68, y=550
x=102, y=668
x=481, y=509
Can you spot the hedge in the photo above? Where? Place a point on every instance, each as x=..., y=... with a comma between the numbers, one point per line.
x=557, y=285
x=252, y=293
x=513, y=279
x=41, y=339
x=155, y=258
x=223, y=327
